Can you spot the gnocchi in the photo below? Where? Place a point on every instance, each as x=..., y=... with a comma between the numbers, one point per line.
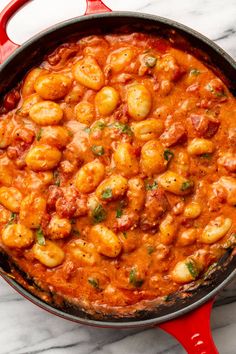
x=152, y=158
x=106, y=101
x=46, y=113
x=106, y=240
x=139, y=101
x=125, y=160
x=51, y=255
x=175, y=183
x=215, y=230
x=10, y=198
x=88, y=73
x=17, y=236
x=112, y=188
x=200, y=146
x=148, y=129
x=52, y=86
x=89, y=176
x=42, y=157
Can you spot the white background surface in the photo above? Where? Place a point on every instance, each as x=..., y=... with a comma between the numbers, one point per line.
x=26, y=329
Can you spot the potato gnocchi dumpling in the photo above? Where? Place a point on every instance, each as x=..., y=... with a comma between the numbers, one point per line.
x=118, y=171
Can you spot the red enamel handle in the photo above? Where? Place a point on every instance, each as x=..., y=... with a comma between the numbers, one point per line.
x=95, y=7
x=6, y=45
x=193, y=330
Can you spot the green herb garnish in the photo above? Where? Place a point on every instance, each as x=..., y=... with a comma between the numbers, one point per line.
x=99, y=214
x=70, y=133
x=192, y=268
x=168, y=298
x=215, y=92
x=150, y=249
x=94, y=282
x=168, y=155
x=206, y=156
x=98, y=150
x=87, y=130
x=119, y=213
x=39, y=134
x=186, y=185
x=12, y=219
x=195, y=72
x=119, y=210
x=40, y=237
x=107, y=193
x=123, y=128
x=150, y=186
x=57, y=179
x=99, y=125
x=124, y=234
x=134, y=280
x=150, y=61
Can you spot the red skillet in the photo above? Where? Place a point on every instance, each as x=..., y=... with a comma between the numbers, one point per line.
x=188, y=321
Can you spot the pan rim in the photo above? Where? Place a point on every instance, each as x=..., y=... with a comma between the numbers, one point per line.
x=126, y=324
x=145, y=16
x=110, y=324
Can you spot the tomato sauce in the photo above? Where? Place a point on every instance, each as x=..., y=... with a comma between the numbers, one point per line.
x=117, y=171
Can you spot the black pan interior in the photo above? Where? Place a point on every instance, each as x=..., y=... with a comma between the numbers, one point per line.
x=31, y=54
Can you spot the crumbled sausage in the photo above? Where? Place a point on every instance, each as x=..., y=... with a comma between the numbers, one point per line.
x=204, y=126
x=156, y=204
x=175, y=134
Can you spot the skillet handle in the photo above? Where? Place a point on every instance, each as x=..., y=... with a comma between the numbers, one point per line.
x=193, y=330
x=6, y=45
x=95, y=7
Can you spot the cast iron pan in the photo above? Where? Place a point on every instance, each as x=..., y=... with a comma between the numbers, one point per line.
x=186, y=315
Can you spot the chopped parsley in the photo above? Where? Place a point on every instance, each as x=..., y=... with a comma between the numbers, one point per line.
x=12, y=219
x=168, y=297
x=119, y=213
x=99, y=125
x=87, y=130
x=70, y=133
x=192, y=268
x=150, y=186
x=123, y=128
x=195, y=72
x=94, y=282
x=215, y=92
x=186, y=185
x=99, y=214
x=168, y=155
x=150, y=249
x=39, y=134
x=57, y=179
x=124, y=234
x=98, y=150
x=119, y=210
x=40, y=237
x=107, y=193
x=134, y=280
x=150, y=61
x=206, y=156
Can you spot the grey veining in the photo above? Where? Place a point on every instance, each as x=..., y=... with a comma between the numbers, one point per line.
x=26, y=329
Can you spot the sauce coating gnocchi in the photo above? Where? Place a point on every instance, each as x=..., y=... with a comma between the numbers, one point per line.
x=118, y=171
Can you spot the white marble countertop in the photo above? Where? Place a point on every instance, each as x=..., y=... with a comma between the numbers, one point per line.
x=26, y=329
